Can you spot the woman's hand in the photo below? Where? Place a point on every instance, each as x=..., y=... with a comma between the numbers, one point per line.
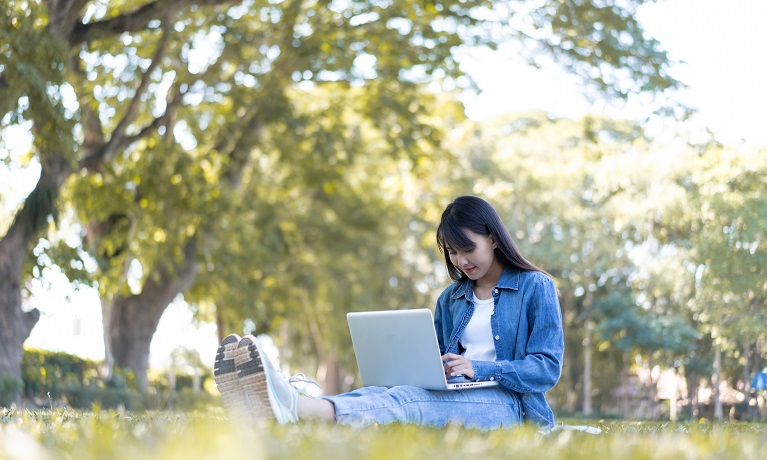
x=457, y=365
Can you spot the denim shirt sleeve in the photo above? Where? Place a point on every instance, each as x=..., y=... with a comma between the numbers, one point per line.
x=442, y=321
x=537, y=368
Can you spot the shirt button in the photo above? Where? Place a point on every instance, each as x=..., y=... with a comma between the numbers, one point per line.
x=497, y=337
x=495, y=291
x=492, y=378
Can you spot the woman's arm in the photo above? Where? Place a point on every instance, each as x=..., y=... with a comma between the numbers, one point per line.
x=541, y=367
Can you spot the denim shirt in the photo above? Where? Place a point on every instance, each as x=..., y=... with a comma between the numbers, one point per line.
x=527, y=328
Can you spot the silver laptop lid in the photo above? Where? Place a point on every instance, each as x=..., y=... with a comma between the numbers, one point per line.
x=397, y=347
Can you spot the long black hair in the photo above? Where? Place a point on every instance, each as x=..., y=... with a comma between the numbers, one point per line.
x=475, y=214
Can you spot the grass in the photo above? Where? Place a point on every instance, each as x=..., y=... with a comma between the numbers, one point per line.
x=98, y=434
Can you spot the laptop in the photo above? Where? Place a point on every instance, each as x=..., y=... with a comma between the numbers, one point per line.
x=399, y=347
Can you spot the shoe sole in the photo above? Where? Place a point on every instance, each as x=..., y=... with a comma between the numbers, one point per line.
x=252, y=377
x=225, y=374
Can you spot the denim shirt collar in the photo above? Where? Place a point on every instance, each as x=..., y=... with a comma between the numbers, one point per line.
x=509, y=280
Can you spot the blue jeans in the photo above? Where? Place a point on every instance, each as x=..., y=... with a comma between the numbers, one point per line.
x=483, y=408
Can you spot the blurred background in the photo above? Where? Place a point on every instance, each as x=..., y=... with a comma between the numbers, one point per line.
x=175, y=171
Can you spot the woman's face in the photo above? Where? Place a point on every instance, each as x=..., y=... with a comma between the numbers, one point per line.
x=479, y=262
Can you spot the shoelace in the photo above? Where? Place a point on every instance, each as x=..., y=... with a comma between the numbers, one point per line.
x=301, y=378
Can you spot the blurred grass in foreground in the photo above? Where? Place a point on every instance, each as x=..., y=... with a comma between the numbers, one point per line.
x=71, y=434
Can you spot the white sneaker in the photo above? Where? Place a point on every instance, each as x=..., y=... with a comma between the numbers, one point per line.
x=268, y=394
x=225, y=376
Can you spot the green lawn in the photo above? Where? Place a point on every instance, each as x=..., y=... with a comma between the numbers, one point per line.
x=78, y=435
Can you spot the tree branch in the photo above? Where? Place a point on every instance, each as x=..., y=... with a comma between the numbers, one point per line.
x=163, y=120
x=93, y=131
x=133, y=21
x=7, y=101
x=64, y=16
x=28, y=321
x=171, y=278
x=101, y=155
x=118, y=139
x=240, y=152
x=132, y=111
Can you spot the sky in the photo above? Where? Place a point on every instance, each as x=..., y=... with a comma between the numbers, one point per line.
x=724, y=52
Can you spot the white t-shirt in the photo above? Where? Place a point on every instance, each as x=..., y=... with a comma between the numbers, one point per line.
x=477, y=338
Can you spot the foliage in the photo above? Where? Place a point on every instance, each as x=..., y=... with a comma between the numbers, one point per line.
x=633, y=329
x=729, y=241
x=555, y=184
x=32, y=69
x=622, y=222
x=305, y=150
x=174, y=100
x=612, y=223
x=582, y=32
x=110, y=434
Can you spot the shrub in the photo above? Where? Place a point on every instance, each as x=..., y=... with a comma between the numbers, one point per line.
x=10, y=389
x=45, y=372
x=76, y=381
x=106, y=398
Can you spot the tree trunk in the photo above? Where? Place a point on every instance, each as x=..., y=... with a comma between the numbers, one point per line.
x=570, y=381
x=16, y=324
x=652, y=392
x=108, y=366
x=673, y=414
x=12, y=334
x=332, y=384
x=220, y=326
x=693, y=383
x=134, y=319
x=623, y=402
x=570, y=367
x=747, y=355
x=716, y=382
x=587, y=351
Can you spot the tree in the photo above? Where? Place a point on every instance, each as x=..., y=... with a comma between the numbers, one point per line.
x=40, y=71
x=27, y=93
x=730, y=246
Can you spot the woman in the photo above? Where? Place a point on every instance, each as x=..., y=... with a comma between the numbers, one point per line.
x=499, y=320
